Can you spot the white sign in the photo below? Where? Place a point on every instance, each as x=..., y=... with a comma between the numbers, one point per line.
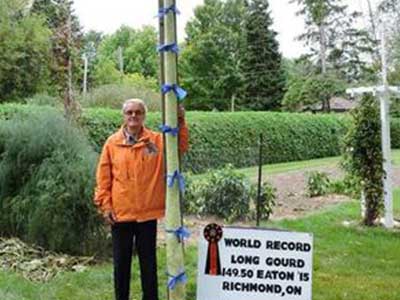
x=254, y=264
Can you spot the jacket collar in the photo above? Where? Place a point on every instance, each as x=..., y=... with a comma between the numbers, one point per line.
x=144, y=138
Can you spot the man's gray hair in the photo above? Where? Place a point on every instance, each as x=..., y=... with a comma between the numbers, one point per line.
x=135, y=101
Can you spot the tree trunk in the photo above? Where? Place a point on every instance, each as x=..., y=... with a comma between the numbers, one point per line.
x=376, y=55
x=322, y=42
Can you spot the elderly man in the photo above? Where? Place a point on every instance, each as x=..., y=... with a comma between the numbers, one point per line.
x=130, y=194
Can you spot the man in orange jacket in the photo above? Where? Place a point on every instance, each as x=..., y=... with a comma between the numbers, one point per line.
x=130, y=194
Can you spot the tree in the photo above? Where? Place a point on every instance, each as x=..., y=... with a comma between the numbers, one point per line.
x=53, y=11
x=263, y=75
x=210, y=60
x=138, y=51
x=90, y=44
x=389, y=13
x=313, y=89
x=66, y=40
x=24, y=52
x=332, y=37
x=66, y=55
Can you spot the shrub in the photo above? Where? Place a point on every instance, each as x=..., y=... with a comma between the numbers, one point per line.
x=318, y=184
x=223, y=193
x=349, y=186
x=395, y=132
x=44, y=99
x=363, y=156
x=267, y=200
x=113, y=95
x=46, y=183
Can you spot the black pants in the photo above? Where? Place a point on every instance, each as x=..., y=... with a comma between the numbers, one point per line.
x=144, y=234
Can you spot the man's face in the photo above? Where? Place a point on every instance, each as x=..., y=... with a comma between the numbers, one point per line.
x=134, y=115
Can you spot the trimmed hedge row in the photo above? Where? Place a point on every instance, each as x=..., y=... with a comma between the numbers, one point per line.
x=217, y=139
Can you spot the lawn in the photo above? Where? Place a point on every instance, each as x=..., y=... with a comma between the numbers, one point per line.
x=351, y=262
x=278, y=168
x=301, y=165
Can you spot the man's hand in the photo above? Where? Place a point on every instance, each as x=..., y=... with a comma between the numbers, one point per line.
x=109, y=217
x=181, y=113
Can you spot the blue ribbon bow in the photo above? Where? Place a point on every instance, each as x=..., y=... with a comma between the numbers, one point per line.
x=176, y=176
x=172, y=282
x=170, y=130
x=168, y=47
x=165, y=10
x=179, y=92
x=181, y=233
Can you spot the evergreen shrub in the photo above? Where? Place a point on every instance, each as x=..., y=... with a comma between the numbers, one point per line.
x=47, y=177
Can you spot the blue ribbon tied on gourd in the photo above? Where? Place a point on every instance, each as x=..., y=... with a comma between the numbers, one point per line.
x=176, y=176
x=166, y=10
x=181, y=233
x=179, y=92
x=174, y=280
x=173, y=47
x=169, y=130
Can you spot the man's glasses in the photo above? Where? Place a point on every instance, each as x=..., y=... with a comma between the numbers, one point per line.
x=135, y=112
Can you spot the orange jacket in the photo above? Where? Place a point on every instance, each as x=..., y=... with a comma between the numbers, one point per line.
x=130, y=178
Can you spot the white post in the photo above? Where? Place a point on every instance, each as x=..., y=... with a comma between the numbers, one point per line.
x=385, y=121
x=85, y=61
x=363, y=208
x=383, y=93
x=121, y=60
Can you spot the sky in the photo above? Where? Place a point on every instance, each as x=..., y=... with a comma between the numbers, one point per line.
x=107, y=16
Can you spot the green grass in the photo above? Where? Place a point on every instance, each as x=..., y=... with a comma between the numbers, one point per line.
x=272, y=169
x=396, y=203
x=354, y=263
x=305, y=164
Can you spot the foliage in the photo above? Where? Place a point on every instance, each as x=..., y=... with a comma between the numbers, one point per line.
x=105, y=72
x=113, y=95
x=395, y=132
x=46, y=183
x=334, y=39
x=43, y=100
x=24, y=52
x=363, y=155
x=223, y=193
x=318, y=184
x=311, y=90
x=65, y=45
x=91, y=41
x=267, y=201
x=227, y=194
x=211, y=56
x=139, y=53
x=261, y=66
x=297, y=71
x=349, y=186
x=217, y=139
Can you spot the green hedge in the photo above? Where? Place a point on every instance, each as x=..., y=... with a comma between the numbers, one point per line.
x=217, y=139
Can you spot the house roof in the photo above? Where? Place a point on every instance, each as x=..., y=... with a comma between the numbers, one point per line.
x=336, y=104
